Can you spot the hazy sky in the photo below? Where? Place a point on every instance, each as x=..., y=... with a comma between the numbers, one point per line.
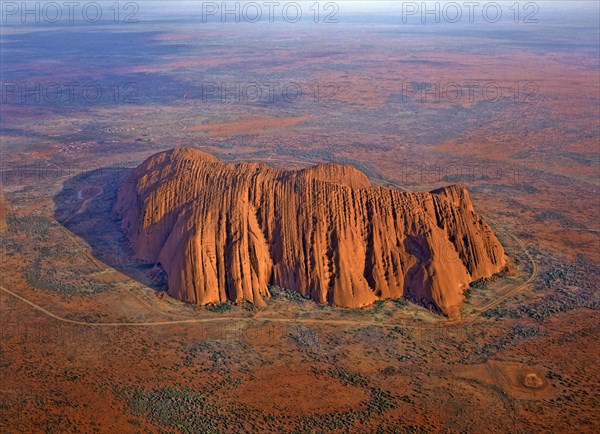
x=575, y=7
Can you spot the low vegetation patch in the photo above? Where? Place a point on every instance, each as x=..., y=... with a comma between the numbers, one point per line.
x=565, y=285
x=278, y=292
x=220, y=308
x=61, y=281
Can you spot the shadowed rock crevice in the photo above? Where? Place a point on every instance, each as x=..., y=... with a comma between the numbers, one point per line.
x=225, y=231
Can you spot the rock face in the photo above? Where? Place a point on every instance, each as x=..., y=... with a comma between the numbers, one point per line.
x=224, y=231
x=3, y=211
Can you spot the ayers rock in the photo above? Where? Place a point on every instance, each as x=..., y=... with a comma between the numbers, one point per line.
x=3, y=211
x=225, y=231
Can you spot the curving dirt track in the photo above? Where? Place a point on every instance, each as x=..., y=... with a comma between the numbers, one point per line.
x=460, y=322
